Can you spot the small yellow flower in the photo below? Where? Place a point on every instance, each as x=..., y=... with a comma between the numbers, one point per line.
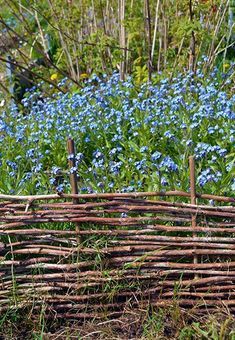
x=83, y=76
x=225, y=66
x=54, y=76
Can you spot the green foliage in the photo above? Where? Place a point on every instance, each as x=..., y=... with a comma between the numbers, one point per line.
x=84, y=36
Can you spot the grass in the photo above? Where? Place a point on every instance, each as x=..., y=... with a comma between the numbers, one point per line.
x=171, y=323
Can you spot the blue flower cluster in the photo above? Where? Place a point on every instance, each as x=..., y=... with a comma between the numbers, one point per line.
x=127, y=138
x=207, y=176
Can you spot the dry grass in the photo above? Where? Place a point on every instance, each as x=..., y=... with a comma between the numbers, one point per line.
x=171, y=323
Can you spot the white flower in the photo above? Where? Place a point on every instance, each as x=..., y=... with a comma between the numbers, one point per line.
x=2, y=103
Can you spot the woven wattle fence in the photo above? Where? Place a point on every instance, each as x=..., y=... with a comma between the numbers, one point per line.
x=92, y=255
x=127, y=249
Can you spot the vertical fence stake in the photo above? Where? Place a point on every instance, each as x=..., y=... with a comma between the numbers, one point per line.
x=73, y=177
x=193, y=200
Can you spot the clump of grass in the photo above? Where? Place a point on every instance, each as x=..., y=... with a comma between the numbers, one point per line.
x=144, y=324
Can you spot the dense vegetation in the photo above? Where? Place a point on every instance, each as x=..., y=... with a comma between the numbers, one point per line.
x=82, y=37
x=130, y=135
x=128, y=138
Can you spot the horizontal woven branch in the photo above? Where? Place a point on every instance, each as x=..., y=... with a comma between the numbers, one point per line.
x=173, y=193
